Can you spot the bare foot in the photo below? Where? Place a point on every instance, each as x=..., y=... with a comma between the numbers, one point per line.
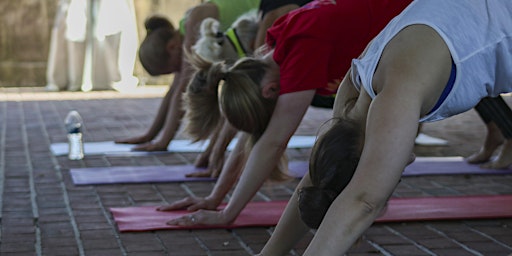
x=504, y=158
x=493, y=140
x=134, y=140
x=481, y=156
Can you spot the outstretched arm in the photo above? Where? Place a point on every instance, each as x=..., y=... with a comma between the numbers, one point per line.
x=158, y=122
x=168, y=119
x=264, y=157
x=269, y=149
x=290, y=228
x=388, y=146
x=227, y=179
x=404, y=93
x=175, y=112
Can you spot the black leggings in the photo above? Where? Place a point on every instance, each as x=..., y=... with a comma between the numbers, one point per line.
x=496, y=110
x=323, y=101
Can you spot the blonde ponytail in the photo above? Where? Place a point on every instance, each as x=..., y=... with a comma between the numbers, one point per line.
x=241, y=99
x=246, y=109
x=201, y=102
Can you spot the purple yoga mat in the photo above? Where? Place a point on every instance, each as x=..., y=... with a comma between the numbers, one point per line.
x=447, y=165
x=176, y=173
x=145, y=174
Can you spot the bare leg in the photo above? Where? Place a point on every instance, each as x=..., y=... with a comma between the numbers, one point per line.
x=493, y=140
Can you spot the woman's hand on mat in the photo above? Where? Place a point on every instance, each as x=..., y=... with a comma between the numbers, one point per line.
x=150, y=146
x=134, y=140
x=191, y=203
x=201, y=217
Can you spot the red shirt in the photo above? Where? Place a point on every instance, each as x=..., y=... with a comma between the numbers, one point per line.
x=315, y=44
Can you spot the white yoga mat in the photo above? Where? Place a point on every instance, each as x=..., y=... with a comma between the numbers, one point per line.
x=426, y=140
x=111, y=148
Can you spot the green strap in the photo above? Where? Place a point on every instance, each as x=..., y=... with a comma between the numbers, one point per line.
x=233, y=38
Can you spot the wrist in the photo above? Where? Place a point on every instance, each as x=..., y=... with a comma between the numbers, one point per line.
x=228, y=216
x=214, y=200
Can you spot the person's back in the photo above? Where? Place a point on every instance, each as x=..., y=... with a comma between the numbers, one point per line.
x=355, y=23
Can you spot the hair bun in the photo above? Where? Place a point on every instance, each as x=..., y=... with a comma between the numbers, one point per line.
x=313, y=205
x=155, y=22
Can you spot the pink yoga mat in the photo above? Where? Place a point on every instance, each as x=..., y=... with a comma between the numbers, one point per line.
x=176, y=173
x=268, y=213
x=147, y=218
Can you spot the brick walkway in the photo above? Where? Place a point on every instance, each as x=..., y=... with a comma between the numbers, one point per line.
x=43, y=213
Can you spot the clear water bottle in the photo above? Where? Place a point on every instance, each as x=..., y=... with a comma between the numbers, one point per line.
x=73, y=124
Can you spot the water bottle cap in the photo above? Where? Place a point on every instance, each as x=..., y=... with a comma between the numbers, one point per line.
x=73, y=122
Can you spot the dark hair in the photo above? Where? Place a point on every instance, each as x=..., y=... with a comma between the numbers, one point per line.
x=333, y=161
x=153, y=53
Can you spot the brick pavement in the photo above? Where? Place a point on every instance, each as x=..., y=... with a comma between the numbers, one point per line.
x=43, y=213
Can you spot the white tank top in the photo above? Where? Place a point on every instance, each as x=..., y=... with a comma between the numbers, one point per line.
x=479, y=36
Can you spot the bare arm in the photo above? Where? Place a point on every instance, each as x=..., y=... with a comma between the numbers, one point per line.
x=227, y=179
x=387, y=149
x=175, y=112
x=264, y=156
x=158, y=122
x=404, y=93
x=267, y=152
x=290, y=228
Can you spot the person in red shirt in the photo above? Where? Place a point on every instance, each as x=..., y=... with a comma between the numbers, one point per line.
x=267, y=96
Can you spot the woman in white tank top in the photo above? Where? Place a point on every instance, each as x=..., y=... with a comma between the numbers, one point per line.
x=431, y=62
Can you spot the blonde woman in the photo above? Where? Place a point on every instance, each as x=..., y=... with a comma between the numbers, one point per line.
x=213, y=45
x=266, y=97
x=426, y=65
x=207, y=47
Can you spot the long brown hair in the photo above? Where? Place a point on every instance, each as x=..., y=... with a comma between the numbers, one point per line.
x=333, y=161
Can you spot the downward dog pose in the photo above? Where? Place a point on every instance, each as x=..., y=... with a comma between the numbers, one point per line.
x=269, y=11
x=216, y=45
x=267, y=96
x=426, y=65
x=161, y=52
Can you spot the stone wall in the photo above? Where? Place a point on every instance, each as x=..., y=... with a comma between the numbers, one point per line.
x=25, y=27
